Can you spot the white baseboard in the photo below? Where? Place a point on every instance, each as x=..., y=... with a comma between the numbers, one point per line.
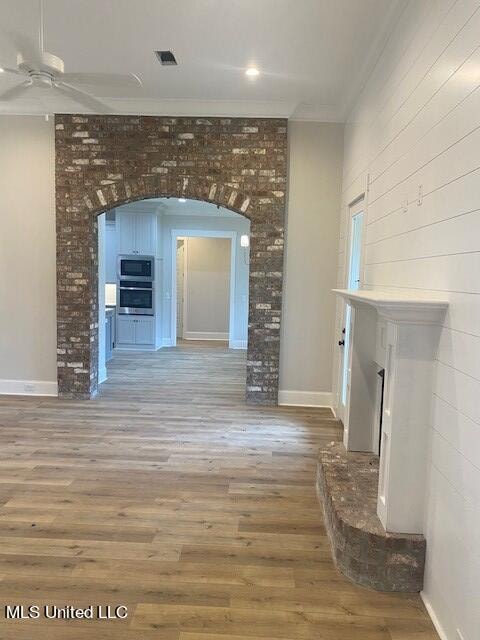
x=237, y=344
x=166, y=342
x=204, y=335
x=305, y=398
x=433, y=616
x=102, y=375
x=135, y=347
x=28, y=388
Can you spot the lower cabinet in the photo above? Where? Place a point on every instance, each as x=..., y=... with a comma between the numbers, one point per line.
x=132, y=331
x=144, y=331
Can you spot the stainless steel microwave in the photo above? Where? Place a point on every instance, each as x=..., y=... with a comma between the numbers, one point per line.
x=136, y=267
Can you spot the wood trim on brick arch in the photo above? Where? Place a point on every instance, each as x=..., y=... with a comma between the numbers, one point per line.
x=104, y=161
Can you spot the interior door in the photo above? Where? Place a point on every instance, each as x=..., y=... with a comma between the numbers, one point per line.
x=353, y=281
x=180, y=286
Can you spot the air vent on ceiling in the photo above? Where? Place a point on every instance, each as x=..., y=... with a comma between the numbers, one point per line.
x=166, y=58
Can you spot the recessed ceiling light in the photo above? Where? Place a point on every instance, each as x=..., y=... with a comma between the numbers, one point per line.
x=182, y=199
x=1, y=70
x=252, y=72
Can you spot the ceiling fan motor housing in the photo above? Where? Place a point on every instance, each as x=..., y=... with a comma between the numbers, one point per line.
x=49, y=64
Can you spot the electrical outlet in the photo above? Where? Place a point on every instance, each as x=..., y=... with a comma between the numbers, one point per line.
x=420, y=195
x=29, y=387
x=460, y=635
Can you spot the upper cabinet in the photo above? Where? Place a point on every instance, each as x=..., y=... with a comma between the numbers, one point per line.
x=146, y=233
x=136, y=233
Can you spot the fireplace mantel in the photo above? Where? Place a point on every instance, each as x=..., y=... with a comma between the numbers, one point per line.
x=396, y=332
x=409, y=307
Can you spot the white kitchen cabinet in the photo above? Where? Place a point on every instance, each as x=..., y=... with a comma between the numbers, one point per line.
x=144, y=330
x=146, y=234
x=135, y=331
x=136, y=233
x=125, y=223
x=125, y=330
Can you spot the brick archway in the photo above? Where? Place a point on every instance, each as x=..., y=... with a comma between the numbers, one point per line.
x=103, y=162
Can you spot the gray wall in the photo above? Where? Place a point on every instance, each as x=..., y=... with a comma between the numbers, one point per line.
x=27, y=249
x=315, y=174
x=207, y=291
x=27, y=254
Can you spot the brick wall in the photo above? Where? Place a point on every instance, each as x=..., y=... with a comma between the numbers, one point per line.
x=106, y=161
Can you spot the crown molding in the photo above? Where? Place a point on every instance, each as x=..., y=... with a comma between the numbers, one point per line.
x=298, y=112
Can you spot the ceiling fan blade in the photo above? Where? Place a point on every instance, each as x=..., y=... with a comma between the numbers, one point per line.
x=103, y=79
x=14, y=92
x=82, y=97
x=8, y=70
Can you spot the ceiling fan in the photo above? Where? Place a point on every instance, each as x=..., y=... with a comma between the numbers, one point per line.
x=39, y=68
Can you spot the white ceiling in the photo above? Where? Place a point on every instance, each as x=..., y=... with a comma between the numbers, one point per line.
x=173, y=207
x=313, y=54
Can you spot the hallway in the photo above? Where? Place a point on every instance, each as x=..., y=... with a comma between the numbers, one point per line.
x=168, y=495
x=195, y=372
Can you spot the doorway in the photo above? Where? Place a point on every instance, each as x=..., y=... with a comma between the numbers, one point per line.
x=204, y=287
x=205, y=278
x=353, y=281
x=190, y=260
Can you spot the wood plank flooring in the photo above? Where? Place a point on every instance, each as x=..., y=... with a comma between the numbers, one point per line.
x=168, y=495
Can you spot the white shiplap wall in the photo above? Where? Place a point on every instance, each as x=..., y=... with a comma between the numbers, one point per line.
x=417, y=125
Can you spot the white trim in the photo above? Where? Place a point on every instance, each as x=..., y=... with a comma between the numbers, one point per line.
x=305, y=398
x=358, y=205
x=238, y=344
x=192, y=108
x=167, y=342
x=185, y=289
x=102, y=375
x=205, y=335
x=201, y=233
x=406, y=307
x=434, y=618
x=102, y=318
x=28, y=388
x=136, y=347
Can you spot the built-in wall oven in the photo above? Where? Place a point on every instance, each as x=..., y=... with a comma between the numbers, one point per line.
x=136, y=297
x=136, y=267
x=136, y=285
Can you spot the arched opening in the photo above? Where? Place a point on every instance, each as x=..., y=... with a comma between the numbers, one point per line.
x=103, y=162
x=80, y=378
x=173, y=299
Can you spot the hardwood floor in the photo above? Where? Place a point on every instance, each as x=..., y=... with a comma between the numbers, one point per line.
x=168, y=495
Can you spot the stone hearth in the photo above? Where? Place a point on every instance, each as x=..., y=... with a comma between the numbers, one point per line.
x=347, y=484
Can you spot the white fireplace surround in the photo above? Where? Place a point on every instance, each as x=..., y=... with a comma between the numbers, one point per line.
x=398, y=333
